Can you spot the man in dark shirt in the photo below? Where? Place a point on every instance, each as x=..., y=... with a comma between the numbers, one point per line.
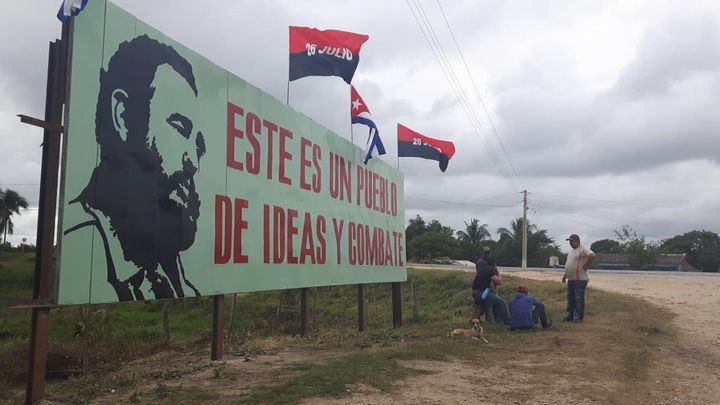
x=486, y=276
x=526, y=311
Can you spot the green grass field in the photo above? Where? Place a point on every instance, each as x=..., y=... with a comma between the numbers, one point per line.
x=108, y=337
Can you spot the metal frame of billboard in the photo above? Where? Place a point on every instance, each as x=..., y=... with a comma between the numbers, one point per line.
x=44, y=299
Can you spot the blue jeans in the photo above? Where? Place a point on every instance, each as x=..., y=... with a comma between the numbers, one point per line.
x=497, y=304
x=575, y=300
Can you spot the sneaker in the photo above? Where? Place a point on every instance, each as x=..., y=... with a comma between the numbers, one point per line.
x=547, y=325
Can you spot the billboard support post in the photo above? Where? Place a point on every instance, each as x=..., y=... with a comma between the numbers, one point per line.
x=55, y=97
x=397, y=304
x=304, y=312
x=218, y=330
x=362, y=321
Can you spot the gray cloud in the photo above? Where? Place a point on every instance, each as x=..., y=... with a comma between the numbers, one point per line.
x=670, y=54
x=603, y=100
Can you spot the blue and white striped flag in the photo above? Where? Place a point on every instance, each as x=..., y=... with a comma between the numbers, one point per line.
x=360, y=114
x=69, y=8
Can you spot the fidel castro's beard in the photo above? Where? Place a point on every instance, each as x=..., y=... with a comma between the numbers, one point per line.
x=157, y=218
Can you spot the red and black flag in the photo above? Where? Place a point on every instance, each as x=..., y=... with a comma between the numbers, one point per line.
x=324, y=53
x=412, y=144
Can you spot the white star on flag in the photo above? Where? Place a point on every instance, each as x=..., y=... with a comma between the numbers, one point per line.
x=356, y=104
x=360, y=114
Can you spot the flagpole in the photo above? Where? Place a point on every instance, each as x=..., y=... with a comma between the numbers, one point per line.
x=398, y=146
x=287, y=98
x=352, y=138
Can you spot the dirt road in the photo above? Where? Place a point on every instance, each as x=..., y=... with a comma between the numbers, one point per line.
x=694, y=298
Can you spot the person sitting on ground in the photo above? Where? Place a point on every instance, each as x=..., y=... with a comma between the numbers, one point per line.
x=526, y=311
x=485, y=276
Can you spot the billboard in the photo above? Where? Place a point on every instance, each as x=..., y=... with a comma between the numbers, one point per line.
x=180, y=179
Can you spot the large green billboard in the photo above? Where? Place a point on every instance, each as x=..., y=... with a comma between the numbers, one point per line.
x=180, y=179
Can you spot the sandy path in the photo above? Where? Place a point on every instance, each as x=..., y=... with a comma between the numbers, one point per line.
x=695, y=298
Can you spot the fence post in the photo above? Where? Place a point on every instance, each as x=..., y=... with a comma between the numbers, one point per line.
x=304, y=313
x=362, y=321
x=397, y=304
x=216, y=352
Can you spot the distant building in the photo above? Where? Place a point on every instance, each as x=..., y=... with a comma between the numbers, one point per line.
x=666, y=262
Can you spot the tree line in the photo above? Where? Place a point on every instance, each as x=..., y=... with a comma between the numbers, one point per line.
x=433, y=242
x=701, y=248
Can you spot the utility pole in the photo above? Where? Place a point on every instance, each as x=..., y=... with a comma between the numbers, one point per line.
x=524, y=239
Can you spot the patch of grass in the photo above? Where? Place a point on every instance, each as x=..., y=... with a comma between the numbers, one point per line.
x=175, y=394
x=331, y=379
x=167, y=374
x=16, y=274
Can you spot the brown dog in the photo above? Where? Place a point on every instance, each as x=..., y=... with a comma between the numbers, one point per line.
x=476, y=332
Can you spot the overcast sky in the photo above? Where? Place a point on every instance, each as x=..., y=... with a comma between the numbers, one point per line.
x=607, y=112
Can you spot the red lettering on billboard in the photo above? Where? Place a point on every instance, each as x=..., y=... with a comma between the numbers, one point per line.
x=223, y=226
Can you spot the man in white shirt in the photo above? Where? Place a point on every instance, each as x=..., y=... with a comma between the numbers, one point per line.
x=579, y=260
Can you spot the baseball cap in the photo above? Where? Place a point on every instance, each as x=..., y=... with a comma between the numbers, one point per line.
x=523, y=288
x=486, y=249
x=573, y=237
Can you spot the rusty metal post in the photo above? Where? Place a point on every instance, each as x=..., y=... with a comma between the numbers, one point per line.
x=304, y=312
x=218, y=330
x=362, y=321
x=54, y=100
x=397, y=304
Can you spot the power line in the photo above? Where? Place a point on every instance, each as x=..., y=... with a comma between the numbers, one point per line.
x=479, y=95
x=447, y=70
x=578, y=222
x=470, y=204
x=632, y=203
x=603, y=214
x=470, y=111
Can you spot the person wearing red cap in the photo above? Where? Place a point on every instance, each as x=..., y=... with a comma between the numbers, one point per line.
x=526, y=311
x=579, y=260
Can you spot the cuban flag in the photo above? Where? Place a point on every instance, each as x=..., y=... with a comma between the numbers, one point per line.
x=360, y=114
x=69, y=8
x=324, y=53
x=413, y=144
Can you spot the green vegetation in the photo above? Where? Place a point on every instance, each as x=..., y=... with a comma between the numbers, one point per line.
x=433, y=242
x=701, y=248
x=121, y=347
x=10, y=203
x=606, y=246
x=332, y=378
x=641, y=254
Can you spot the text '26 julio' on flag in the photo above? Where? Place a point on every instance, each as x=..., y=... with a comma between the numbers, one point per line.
x=413, y=144
x=316, y=52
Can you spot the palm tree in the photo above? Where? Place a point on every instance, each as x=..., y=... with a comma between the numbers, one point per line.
x=10, y=203
x=539, y=245
x=516, y=229
x=471, y=239
x=474, y=233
